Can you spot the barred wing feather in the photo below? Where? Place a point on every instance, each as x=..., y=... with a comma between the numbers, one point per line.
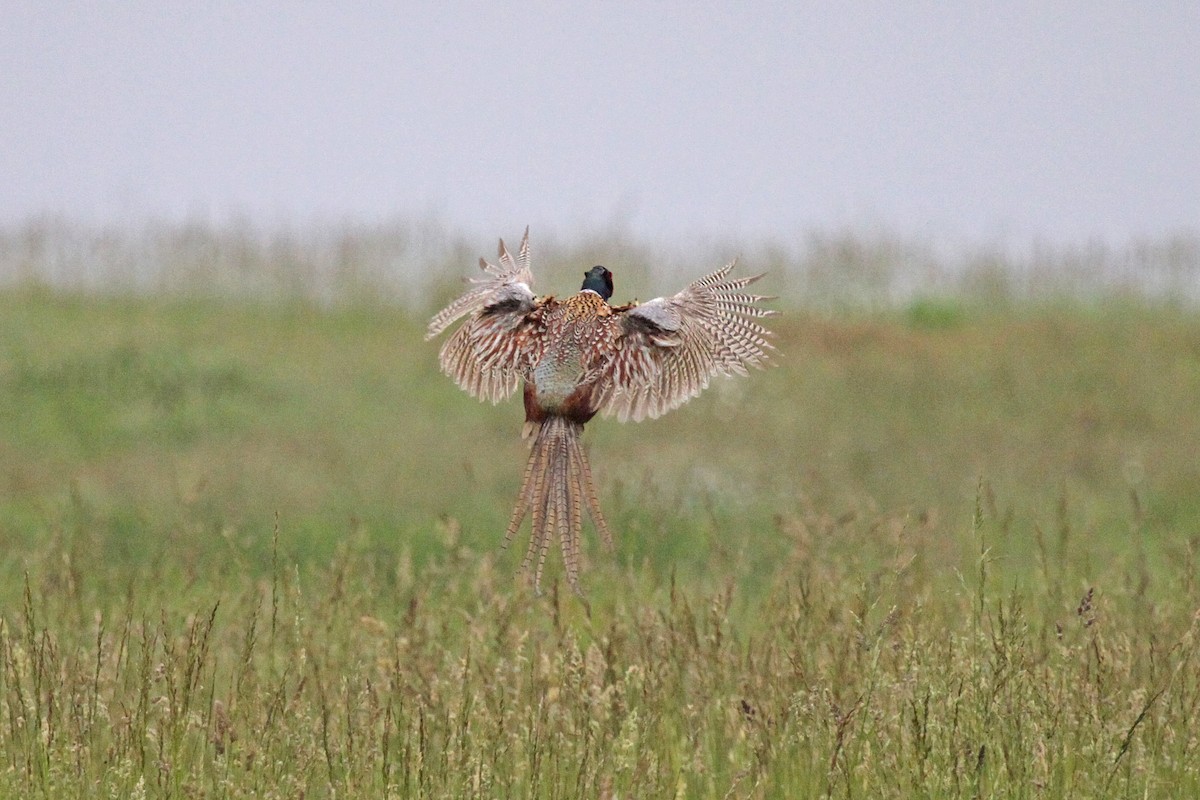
x=487, y=354
x=665, y=351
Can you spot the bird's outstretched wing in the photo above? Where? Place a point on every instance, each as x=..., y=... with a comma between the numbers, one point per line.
x=666, y=350
x=486, y=356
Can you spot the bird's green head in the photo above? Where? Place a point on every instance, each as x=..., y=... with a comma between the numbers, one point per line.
x=599, y=280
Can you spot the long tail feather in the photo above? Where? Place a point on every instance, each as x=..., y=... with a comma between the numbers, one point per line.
x=524, y=497
x=574, y=477
x=589, y=493
x=556, y=484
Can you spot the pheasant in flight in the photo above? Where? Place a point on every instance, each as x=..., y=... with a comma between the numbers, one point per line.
x=578, y=356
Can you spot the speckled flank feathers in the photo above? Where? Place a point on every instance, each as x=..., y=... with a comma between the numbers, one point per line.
x=580, y=356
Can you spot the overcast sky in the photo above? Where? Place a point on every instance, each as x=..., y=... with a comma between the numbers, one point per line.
x=985, y=122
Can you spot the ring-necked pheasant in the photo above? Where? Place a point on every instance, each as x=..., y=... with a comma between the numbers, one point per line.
x=579, y=356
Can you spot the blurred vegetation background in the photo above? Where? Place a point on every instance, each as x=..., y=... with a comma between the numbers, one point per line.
x=946, y=546
x=178, y=386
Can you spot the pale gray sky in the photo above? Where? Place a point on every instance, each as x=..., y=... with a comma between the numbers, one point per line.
x=972, y=121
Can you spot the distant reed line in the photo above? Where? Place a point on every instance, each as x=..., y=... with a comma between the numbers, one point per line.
x=414, y=263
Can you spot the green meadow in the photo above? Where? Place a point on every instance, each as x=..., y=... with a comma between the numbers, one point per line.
x=945, y=547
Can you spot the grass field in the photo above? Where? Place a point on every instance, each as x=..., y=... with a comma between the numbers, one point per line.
x=943, y=550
